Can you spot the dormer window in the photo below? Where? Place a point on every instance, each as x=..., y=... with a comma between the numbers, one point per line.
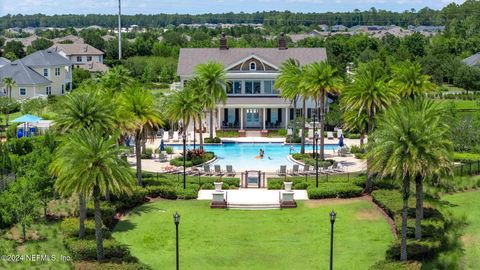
x=253, y=66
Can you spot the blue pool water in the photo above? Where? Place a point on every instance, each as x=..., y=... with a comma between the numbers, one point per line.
x=243, y=156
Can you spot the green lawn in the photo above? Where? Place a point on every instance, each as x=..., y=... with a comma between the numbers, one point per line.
x=467, y=206
x=44, y=239
x=274, y=239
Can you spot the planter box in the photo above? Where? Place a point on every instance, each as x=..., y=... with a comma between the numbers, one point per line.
x=288, y=186
x=218, y=186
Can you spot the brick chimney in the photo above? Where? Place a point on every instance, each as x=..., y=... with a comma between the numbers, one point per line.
x=223, y=42
x=282, y=43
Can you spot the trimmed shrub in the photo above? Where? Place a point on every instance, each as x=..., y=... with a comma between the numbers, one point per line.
x=110, y=266
x=166, y=192
x=466, y=157
x=169, y=150
x=334, y=190
x=208, y=186
x=212, y=140
x=70, y=226
x=147, y=153
x=354, y=136
x=187, y=194
x=274, y=184
x=85, y=249
x=416, y=250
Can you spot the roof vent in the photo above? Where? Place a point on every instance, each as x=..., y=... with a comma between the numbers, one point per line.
x=282, y=43
x=223, y=42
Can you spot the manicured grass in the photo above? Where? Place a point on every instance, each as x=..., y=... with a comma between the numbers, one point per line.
x=45, y=239
x=466, y=206
x=274, y=239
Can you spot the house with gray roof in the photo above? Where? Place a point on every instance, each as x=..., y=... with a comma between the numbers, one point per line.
x=473, y=61
x=82, y=56
x=41, y=73
x=4, y=61
x=253, y=100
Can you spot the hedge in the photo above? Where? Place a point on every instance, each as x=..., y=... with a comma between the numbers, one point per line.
x=196, y=161
x=85, y=265
x=85, y=249
x=69, y=227
x=466, y=157
x=334, y=190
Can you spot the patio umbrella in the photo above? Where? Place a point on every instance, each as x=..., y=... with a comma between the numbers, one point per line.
x=340, y=141
x=27, y=118
x=162, y=145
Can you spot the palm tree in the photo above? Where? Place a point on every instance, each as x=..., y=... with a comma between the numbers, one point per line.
x=198, y=86
x=86, y=108
x=117, y=79
x=290, y=83
x=183, y=106
x=321, y=79
x=138, y=105
x=86, y=163
x=355, y=120
x=412, y=84
x=214, y=78
x=409, y=80
x=368, y=95
x=401, y=148
x=9, y=84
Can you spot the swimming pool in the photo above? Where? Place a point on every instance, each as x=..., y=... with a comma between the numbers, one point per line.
x=244, y=156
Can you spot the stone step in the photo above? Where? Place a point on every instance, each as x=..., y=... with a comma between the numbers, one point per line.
x=253, y=206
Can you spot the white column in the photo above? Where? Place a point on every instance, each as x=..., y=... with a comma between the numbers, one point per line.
x=241, y=118
x=286, y=117
x=264, y=119
x=219, y=123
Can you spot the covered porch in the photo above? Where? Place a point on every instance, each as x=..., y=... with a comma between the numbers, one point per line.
x=253, y=117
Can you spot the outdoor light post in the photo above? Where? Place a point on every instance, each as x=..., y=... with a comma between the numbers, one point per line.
x=194, y=135
x=316, y=161
x=184, y=137
x=314, y=120
x=333, y=215
x=176, y=220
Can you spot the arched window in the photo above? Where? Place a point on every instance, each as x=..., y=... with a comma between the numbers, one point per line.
x=253, y=66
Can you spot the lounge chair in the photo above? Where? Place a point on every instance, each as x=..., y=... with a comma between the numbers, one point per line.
x=306, y=170
x=218, y=170
x=329, y=170
x=162, y=157
x=330, y=135
x=207, y=171
x=294, y=170
x=338, y=167
x=175, y=136
x=282, y=171
x=230, y=171
x=194, y=171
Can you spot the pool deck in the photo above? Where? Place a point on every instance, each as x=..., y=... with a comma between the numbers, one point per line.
x=352, y=164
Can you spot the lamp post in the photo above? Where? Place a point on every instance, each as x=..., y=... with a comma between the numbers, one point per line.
x=333, y=215
x=316, y=161
x=176, y=220
x=184, y=137
x=314, y=120
x=194, y=135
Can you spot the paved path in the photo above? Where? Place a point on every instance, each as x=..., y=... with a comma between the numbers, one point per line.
x=252, y=196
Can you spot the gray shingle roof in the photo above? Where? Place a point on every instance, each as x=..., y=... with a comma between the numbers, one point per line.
x=45, y=58
x=190, y=57
x=4, y=61
x=77, y=49
x=473, y=60
x=22, y=74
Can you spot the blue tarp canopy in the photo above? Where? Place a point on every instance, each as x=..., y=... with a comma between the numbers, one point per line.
x=27, y=118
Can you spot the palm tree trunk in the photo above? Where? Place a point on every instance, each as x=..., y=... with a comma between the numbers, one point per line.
x=322, y=124
x=98, y=223
x=107, y=192
x=82, y=214
x=211, y=124
x=201, y=132
x=24, y=232
x=144, y=145
x=362, y=139
x=418, y=207
x=405, y=195
x=369, y=184
x=294, y=126
x=138, y=156
x=302, y=149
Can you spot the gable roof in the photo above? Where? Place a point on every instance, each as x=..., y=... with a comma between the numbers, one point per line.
x=45, y=58
x=22, y=74
x=4, y=61
x=473, y=60
x=95, y=67
x=190, y=57
x=77, y=49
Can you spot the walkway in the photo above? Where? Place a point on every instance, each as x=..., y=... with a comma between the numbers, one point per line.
x=252, y=196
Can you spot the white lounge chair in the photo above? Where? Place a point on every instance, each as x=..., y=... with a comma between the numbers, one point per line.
x=329, y=135
x=207, y=171
x=175, y=136
x=282, y=171
x=230, y=171
x=218, y=170
x=294, y=170
x=306, y=170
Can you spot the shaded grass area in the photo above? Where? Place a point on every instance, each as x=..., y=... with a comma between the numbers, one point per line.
x=467, y=207
x=42, y=239
x=277, y=239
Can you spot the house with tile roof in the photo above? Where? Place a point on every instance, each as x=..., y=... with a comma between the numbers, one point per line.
x=82, y=56
x=41, y=73
x=253, y=101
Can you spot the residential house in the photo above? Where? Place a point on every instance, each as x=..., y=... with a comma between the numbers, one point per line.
x=83, y=56
x=473, y=61
x=70, y=39
x=4, y=61
x=253, y=101
x=39, y=74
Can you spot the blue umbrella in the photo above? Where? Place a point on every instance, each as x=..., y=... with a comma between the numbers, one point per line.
x=27, y=118
x=127, y=141
x=340, y=141
x=162, y=145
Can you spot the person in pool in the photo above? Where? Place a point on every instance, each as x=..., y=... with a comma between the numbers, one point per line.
x=261, y=153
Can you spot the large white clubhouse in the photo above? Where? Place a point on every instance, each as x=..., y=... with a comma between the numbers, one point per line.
x=253, y=102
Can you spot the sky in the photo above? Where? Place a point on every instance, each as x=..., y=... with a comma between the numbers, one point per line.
x=51, y=7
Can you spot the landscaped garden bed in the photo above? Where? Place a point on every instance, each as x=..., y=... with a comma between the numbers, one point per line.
x=194, y=158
